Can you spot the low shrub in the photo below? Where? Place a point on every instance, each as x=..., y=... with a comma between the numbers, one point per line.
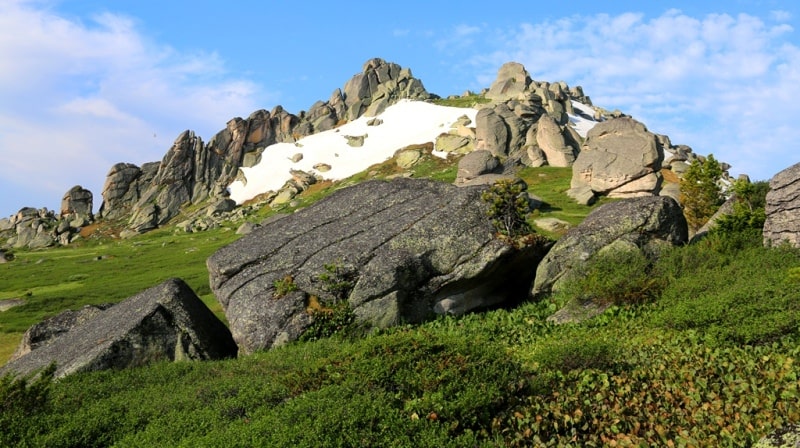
x=617, y=277
x=21, y=402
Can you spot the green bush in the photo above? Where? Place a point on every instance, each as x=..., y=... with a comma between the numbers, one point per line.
x=617, y=277
x=337, y=280
x=508, y=207
x=578, y=354
x=700, y=191
x=339, y=319
x=743, y=298
x=21, y=402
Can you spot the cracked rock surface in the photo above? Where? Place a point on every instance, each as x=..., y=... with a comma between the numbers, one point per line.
x=406, y=250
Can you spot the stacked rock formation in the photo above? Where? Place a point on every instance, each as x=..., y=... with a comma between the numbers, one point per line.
x=193, y=171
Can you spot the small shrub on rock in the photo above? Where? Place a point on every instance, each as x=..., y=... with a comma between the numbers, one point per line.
x=508, y=207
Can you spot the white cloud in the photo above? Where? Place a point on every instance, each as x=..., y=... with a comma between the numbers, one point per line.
x=780, y=15
x=723, y=84
x=76, y=97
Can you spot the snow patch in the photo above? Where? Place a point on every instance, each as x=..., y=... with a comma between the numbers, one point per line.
x=584, y=121
x=405, y=123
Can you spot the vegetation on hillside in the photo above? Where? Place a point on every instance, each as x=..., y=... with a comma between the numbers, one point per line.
x=700, y=191
x=701, y=351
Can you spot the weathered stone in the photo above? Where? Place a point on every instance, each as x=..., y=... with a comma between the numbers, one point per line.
x=551, y=141
x=322, y=167
x=512, y=80
x=297, y=157
x=7, y=304
x=355, y=141
x=783, y=208
x=646, y=222
x=616, y=152
x=553, y=225
x=786, y=437
x=491, y=132
x=406, y=260
x=166, y=322
x=221, y=206
x=406, y=158
x=50, y=329
x=77, y=202
x=454, y=143
x=246, y=228
x=475, y=164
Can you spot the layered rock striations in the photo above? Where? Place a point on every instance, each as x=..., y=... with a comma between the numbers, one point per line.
x=407, y=250
x=783, y=208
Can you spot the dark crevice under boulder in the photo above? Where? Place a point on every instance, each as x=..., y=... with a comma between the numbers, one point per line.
x=412, y=249
x=165, y=322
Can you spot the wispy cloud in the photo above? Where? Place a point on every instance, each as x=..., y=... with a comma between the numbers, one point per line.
x=77, y=97
x=724, y=84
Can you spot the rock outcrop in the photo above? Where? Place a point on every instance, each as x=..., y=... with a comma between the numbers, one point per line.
x=783, y=208
x=620, y=158
x=786, y=437
x=644, y=224
x=406, y=250
x=123, y=188
x=166, y=322
x=193, y=171
x=76, y=205
x=51, y=328
x=475, y=164
x=29, y=227
x=527, y=120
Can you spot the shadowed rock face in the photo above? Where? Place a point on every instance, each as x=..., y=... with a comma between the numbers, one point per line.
x=411, y=249
x=783, y=208
x=166, y=322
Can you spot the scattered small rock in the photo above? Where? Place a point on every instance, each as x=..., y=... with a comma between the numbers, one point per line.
x=7, y=304
x=356, y=141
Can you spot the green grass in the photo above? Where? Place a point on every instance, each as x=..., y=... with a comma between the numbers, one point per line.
x=550, y=184
x=67, y=278
x=500, y=378
x=463, y=101
x=708, y=359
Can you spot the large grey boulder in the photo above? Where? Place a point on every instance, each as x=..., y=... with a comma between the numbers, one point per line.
x=550, y=139
x=165, y=322
x=620, y=158
x=783, y=208
x=124, y=185
x=512, y=80
x=77, y=202
x=407, y=250
x=476, y=164
x=53, y=327
x=645, y=223
x=32, y=228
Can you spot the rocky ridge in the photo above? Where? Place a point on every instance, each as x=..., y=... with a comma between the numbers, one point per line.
x=524, y=123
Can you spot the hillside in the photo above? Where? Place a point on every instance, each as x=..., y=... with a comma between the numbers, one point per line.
x=695, y=344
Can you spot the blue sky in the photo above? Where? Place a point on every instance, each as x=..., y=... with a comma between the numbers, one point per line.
x=86, y=84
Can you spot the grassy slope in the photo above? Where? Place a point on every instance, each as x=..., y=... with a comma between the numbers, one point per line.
x=708, y=364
